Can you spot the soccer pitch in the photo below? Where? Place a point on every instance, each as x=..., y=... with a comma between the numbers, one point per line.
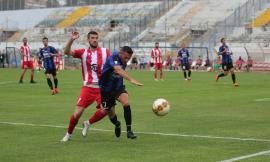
x=208, y=121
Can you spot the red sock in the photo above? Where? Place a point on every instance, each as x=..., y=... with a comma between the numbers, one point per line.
x=99, y=114
x=72, y=123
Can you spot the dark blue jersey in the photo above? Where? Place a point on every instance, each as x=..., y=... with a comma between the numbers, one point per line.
x=46, y=55
x=109, y=80
x=225, y=53
x=184, y=55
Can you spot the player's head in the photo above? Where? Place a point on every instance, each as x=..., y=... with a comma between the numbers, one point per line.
x=183, y=45
x=125, y=54
x=25, y=40
x=223, y=40
x=156, y=44
x=45, y=41
x=92, y=37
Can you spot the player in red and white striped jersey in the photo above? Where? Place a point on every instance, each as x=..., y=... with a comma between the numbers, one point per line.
x=156, y=56
x=92, y=60
x=26, y=60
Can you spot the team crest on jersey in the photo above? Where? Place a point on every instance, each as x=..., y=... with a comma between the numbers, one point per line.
x=94, y=67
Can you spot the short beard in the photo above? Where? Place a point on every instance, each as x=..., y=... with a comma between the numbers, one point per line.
x=92, y=46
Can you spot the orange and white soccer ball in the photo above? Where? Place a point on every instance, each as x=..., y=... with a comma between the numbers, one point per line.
x=161, y=107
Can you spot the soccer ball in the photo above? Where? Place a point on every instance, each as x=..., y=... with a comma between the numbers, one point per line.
x=161, y=107
x=209, y=69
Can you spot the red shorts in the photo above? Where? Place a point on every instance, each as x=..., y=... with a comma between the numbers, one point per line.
x=88, y=96
x=27, y=65
x=158, y=66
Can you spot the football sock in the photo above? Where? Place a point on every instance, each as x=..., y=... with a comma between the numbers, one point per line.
x=155, y=75
x=50, y=83
x=99, y=114
x=127, y=115
x=189, y=73
x=115, y=121
x=185, y=74
x=21, y=78
x=221, y=75
x=72, y=123
x=55, y=82
x=32, y=76
x=233, y=78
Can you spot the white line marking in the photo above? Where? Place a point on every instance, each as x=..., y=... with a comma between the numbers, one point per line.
x=8, y=82
x=148, y=133
x=247, y=156
x=262, y=99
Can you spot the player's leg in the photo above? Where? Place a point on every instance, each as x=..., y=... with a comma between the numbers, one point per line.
x=114, y=121
x=155, y=73
x=161, y=72
x=123, y=98
x=224, y=73
x=55, y=80
x=73, y=121
x=31, y=66
x=233, y=77
x=22, y=75
x=83, y=102
x=189, y=72
x=49, y=82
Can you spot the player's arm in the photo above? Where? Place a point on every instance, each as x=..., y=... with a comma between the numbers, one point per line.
x=118, y=69
x=22, y=51
x=67, y=49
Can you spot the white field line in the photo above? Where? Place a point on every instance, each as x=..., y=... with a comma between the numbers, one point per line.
x=262, y=99
x=247, y=156
x=149, y=133
x=7, y=82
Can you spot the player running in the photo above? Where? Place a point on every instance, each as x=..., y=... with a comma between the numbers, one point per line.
x=227, y=62
x=183, y=55
x=93, y=60
x=112, y=89
x=27, y=62
x=46, y=54
x=156, y=56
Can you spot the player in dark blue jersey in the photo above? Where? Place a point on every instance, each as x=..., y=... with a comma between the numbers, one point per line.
x=46, y=54
x=183, y=55
x=227, y=62
x=112, y=88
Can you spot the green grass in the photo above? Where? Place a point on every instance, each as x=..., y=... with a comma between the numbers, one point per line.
x=200, y=107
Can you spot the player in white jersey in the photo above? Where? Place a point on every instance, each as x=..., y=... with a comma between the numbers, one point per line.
x=156, y=56
x=92, y=60
x=26, y=60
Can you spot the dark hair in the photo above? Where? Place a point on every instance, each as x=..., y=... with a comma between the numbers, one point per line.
x=157, y=43
x=222, y=39
x=127, y=49
x=92, y=32
x=45, y=38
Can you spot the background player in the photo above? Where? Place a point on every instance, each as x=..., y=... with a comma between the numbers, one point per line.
x=47, y=54
x=112, y=87
x=227, y=62
x=156, y=56
x=27, y=62
x=183, y=55
x=92, y=60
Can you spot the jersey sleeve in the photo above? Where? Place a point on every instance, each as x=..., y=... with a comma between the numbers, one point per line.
x=53, y=50
x=108, y=52
x=179, y=54
x=152, y=53
x=21, y=50
x=113, y=61
x=78, y=53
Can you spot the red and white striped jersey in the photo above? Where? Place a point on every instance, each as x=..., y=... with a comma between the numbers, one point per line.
x=156, y=55
x=92, y=63
x=25, y=53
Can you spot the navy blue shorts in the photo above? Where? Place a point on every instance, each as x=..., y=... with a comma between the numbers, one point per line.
x=108, y=99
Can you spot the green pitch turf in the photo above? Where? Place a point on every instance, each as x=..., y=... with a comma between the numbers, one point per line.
x=208, y=121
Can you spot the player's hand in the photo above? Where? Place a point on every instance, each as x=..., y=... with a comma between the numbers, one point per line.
x=75, y=35
x=135, y=82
